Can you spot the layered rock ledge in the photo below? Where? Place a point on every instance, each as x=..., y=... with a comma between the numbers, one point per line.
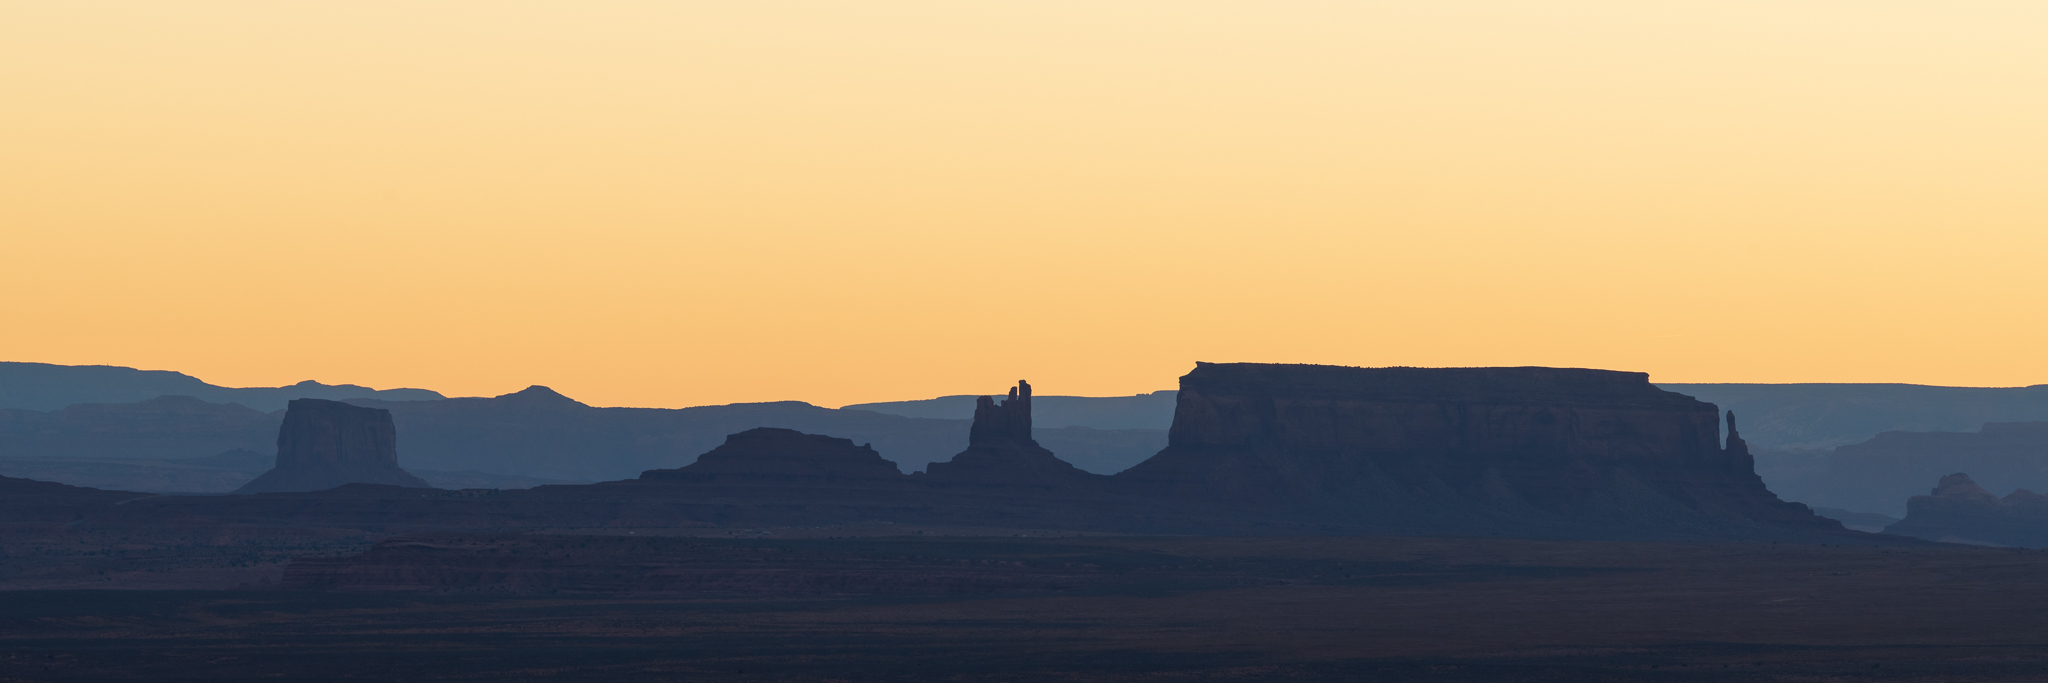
x=1517, y=451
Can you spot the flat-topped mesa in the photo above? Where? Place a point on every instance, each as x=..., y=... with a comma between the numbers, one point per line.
x=1529, y=450
x=767, y=456
x=325, y=444
x=1001, y=452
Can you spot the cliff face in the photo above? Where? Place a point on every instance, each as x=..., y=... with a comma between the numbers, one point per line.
x=324, y=444
x=1537, y=451
x=1960, y=511
x=1001, y=453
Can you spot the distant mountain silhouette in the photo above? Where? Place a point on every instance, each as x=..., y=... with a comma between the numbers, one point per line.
x=538, y=432
x=220, y=473
x=1960, y=511
x=1143, y=411
x=1880, y=474
x=519, y=439
x=161, y=427
x=45, y=387
x=1820, y=416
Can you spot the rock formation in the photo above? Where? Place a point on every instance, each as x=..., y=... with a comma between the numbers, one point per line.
x=1001, y=452
x=783, y=457
x=325, y=444
x=1960, y=511
x=1517, y=451
x=1880, y=474
x=1254, y=450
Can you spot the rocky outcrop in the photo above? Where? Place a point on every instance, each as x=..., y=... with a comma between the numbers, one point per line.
x=767, y=456
x=1960, y=511
x=1456, y=451
x=325, y=444
x=1001, y=452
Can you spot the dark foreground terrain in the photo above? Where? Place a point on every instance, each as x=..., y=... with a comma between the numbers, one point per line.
x=1067, y=608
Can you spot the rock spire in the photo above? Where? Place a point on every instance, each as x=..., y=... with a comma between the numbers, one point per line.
x=1006, y=421
x=1735, y=443
x=1001, y=453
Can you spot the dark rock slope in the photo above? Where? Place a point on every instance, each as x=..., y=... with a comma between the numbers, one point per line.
x=325, y=444
x=1960, y=511
x=1519, y=451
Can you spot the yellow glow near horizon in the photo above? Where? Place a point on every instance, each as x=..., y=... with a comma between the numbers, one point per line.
x=667, y=204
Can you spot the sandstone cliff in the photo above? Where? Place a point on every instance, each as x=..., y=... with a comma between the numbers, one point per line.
x=1960, y=511
x=325, y=444
x=1516, y=451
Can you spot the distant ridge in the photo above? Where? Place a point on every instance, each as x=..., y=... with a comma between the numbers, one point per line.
x=45, y=387
x=1775, y=416
x=1143, y=411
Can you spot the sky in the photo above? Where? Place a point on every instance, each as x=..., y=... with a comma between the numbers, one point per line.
x=656, y=203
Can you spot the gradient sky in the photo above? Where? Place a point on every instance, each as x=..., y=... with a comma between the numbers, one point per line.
x=670, y=204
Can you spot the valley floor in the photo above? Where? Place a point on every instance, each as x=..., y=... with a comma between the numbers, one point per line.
x=1157, y=609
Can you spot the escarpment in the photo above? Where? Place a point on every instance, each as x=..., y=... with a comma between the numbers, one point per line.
x=1535, y=451
x=325, y=444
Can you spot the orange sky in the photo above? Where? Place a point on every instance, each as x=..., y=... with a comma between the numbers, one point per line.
x=655, y=203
